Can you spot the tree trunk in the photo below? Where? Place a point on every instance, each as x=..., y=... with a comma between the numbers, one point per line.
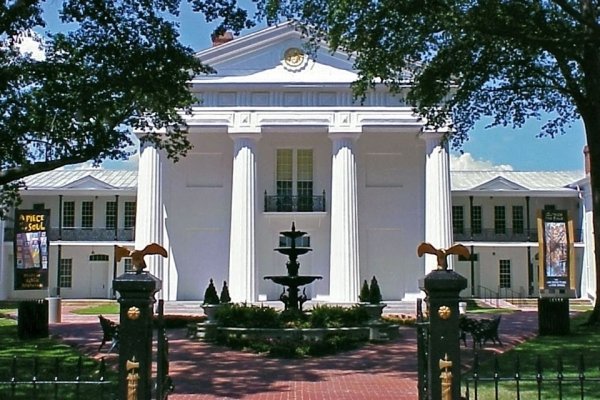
x=592, y=129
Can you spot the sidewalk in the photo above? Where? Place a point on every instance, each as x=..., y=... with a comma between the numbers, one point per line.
x=205, y=371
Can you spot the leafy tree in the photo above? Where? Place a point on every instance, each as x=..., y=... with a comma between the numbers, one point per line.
x=463, y=60
x=117, y=65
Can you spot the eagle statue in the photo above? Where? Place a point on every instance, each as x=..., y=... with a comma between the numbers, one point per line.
x=441, y=254
x=137, y=256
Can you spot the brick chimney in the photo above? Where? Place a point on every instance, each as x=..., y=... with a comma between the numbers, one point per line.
x=218, y=40
x=586, y=159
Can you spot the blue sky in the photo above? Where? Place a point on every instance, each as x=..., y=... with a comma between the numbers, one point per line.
x=520, y=149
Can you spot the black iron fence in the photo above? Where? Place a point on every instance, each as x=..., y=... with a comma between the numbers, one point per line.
x=284, y=203
x=422, y=350
x=164, y=384
x=61, y=379
x=542, y=381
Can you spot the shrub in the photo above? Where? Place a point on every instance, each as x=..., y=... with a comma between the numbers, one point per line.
x=337, y=317
x=374, y=292
x=244, y=316
x=225, y=298
x=364, y=292
x=210, y=294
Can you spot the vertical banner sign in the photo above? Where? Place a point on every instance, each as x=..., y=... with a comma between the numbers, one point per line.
x=31, y=249
x=556, y=239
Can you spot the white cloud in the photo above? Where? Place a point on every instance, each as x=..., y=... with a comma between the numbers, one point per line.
x=466, y=162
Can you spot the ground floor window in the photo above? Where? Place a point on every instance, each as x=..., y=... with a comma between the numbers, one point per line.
x=65, y=279
x=505, y=274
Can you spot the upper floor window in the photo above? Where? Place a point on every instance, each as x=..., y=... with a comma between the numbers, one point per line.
x=476, y=221
x=499, y=219
x=458, y=221
x=295, y=178
x=504, y=274
x=68, y=214
x=129, y=215
x=518, y=220
x=111, y=214
x=87, y=214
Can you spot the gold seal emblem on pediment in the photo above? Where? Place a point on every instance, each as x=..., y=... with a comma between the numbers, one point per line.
x=294, y=59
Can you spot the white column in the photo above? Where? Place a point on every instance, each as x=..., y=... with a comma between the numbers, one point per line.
x=344, y=258
x=149, y=221
x=438, y=209
x=242, y=270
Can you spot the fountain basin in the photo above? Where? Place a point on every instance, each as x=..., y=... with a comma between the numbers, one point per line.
x=296, y=251
x=293, y=280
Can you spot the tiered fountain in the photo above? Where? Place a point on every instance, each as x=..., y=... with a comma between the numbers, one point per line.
x=293, y=300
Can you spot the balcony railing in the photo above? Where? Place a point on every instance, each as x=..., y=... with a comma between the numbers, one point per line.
x=82, y=235
x=509, y=235
x=277, y=203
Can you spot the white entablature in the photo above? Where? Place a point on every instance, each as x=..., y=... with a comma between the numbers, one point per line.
x=334, y=120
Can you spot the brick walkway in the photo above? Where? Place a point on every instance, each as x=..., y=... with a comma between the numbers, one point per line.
x=203, y=371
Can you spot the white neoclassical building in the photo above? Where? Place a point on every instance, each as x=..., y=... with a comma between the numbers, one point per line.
x=278, y=139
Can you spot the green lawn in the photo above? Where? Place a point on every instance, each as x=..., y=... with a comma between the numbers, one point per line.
x=97, y=309
x=46, y=359
x=582, y=344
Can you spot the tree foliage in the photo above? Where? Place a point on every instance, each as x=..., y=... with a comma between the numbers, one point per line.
x=116, y=66
x=463, y=60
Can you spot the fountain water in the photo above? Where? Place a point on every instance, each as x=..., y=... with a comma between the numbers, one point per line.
x=292, y=300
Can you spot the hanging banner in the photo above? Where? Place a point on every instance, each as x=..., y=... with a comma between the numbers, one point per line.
x=31, y=249
x=555, y=234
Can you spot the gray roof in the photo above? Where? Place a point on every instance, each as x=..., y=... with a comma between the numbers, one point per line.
x=64, y=178
x=515, y=180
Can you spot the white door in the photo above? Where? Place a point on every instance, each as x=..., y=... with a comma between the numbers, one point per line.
x=98, y=279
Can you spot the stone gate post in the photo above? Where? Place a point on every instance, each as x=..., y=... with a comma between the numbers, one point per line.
x=135, y=333
x=442, y=288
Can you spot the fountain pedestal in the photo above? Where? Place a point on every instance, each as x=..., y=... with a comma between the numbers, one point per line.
x=293, y=300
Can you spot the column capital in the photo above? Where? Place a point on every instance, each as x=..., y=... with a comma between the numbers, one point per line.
x=429, y=135
x=254, y=134
x=346, y=134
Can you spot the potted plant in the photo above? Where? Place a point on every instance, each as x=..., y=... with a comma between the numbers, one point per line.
x=211, y=301
x=370, y=299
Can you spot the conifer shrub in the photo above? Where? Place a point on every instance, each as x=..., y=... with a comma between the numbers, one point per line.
x=210, y=294
x=364, y=295
x=374, y=292
x=225, y=298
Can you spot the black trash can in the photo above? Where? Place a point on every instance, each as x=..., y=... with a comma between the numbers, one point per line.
x=553, y=316
x=33, y=319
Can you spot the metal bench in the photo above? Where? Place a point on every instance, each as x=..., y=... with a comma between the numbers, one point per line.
x=481, y=330
x=110, y=332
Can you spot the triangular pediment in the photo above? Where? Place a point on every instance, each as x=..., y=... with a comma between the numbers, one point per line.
x=271, y=55
x=88, y=183
x=500, y=183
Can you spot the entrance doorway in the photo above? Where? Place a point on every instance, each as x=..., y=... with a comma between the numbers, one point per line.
x=98, y=276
